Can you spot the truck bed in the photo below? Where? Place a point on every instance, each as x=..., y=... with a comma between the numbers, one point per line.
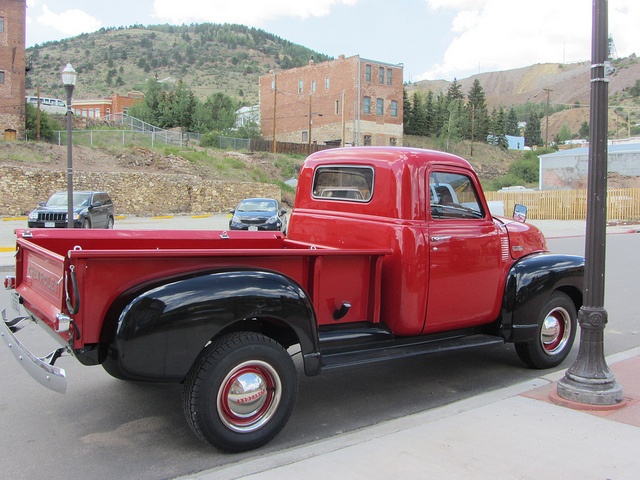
x=108, y=263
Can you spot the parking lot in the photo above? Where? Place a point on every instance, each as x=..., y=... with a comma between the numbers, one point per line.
x=177, y=222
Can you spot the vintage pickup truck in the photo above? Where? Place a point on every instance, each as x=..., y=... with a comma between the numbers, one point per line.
x=411, y=264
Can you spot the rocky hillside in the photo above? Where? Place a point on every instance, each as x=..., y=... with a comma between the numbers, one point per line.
x=568, y=85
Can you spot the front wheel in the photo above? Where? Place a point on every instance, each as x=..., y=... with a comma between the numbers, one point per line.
x=554, y=336
x=241, y=392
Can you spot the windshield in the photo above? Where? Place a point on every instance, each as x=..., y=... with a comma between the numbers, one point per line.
x=60, y=200
x=257, y=206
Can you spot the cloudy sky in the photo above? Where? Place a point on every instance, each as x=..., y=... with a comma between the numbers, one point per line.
x=434, y=39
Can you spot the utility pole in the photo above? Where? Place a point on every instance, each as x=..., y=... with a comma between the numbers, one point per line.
x=275, y=102
x=344, y=127
x=546, y=142
x=310, y=123
x=589, y=379
x=38, y=115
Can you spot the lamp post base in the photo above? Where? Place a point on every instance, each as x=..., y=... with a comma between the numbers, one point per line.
x=589, y=379
x=590, y=392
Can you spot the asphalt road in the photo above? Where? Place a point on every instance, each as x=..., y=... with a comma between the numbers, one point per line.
x=104, y=428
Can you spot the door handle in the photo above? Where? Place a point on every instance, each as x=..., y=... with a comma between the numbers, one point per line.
x=441, y=238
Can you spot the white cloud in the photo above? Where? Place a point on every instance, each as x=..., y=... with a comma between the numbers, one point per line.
x=70, y=22
x=246, y=12
x=490, y=35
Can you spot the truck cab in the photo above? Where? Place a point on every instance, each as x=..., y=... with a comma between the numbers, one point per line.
x=429, y=208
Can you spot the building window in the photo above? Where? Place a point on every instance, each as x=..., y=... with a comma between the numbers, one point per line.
x=394, y=108
x=367, y=140
x=300, y=86
x=337, y=107
x=305, y=136
x=367, y=73
x=326, y=83
x=366, y=104
x=389, y=76
x=1, y=24
x=379, y=106
x=1, y=76
x=393, y=141
x=381, y=75
x=313, y=86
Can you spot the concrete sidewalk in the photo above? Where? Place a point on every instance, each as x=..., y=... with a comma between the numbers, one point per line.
x=517, y=432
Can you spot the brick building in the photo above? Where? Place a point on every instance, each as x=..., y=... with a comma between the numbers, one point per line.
x=12, y=69
x=106, y=106
x=350, y=101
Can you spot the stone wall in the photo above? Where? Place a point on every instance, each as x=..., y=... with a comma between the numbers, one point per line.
x=133, y=193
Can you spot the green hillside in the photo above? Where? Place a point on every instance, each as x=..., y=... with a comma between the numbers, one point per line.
x=207, y=57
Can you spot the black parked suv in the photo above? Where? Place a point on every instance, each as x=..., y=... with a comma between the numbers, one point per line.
x=90, y=210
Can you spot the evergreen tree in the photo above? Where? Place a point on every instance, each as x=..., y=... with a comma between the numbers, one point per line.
x=419, y=116
x=441, y=115
x=512, y=123
x=429, y=108
x=584, y=130
x=532, y=132
x=407, y=119
x=454, y=92
x=498, y=128
x=478, y=113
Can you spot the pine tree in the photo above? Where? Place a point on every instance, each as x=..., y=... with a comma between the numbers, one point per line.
x=419, y=115
x=478, y=113
x=430, y=112
x=512, y=123
x=532, y=132
x=407, y=117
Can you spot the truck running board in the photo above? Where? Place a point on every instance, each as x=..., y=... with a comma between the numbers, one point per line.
x=404, y=348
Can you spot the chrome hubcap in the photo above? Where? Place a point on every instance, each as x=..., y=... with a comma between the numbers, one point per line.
x=249, y=396
x=555, y=331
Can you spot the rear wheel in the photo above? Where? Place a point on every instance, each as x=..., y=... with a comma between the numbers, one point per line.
x=110, y=223
x=554, y=336
x=241, y=392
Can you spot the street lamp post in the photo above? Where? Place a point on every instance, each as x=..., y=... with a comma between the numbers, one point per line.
x=69, y=77
x=589, y=379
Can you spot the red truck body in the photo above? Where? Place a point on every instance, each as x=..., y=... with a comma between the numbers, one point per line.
x=390, y=252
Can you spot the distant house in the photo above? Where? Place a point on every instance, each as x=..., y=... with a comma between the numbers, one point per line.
x=248, y=115
x=106, y=106
x=349, y=101
x=568, y=169
x=515, y=143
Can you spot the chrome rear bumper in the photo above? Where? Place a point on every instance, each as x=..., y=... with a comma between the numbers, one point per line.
x=42, y=369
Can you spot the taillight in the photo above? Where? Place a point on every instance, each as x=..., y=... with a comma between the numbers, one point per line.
x=10, y=282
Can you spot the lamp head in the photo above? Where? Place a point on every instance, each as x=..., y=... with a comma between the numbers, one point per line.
x=69, y=76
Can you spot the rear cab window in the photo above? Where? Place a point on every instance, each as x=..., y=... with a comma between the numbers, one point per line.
x=343, y=182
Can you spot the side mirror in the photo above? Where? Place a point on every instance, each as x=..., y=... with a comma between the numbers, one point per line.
x=283, y=211
x=519, y=213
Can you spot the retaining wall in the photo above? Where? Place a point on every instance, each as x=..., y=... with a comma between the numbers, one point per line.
x=133, y=193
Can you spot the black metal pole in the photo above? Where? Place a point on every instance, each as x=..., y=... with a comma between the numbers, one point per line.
x=69, y=90
x=589, y=379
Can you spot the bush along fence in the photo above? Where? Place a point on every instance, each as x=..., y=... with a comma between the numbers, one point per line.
x=623, y=204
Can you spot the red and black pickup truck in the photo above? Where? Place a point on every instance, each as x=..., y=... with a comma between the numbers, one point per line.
x=390, y=252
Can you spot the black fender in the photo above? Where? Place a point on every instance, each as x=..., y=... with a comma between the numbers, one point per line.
x=529, y=283
x=162, y=330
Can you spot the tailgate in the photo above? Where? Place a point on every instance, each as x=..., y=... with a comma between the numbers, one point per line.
x=40, y=281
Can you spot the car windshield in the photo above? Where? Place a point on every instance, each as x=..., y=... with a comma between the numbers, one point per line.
x=257, y=206
x=60, y=199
